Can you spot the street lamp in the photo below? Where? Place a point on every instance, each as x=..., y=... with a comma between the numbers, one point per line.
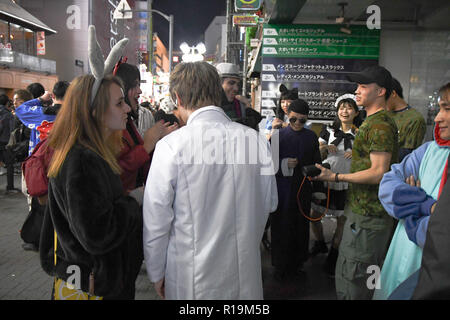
x=123, y=11
x=192, y=54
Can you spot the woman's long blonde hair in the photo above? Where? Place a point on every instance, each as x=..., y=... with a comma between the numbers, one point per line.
x=78, y=122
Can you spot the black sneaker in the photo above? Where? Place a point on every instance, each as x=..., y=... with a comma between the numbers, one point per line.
x=319, y=247
x=30, y=247
x=12, y=191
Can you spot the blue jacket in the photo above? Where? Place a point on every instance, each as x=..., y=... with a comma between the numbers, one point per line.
x=31, y=114
x=412, y=204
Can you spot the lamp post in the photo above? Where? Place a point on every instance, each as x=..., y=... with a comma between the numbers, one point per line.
x=121, y=13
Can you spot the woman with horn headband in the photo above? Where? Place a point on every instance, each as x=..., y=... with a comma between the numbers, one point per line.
x=91, y=240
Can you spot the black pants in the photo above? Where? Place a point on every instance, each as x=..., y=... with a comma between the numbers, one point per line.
x=8, y=158
x=31, y=229
x=290, y=239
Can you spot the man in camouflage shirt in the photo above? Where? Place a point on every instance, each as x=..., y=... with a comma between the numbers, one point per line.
x=410, y=123
x=368, y=228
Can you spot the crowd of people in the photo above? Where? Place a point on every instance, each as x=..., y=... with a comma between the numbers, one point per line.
x=191, y=189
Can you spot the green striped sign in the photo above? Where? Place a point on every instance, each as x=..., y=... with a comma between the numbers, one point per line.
x=320, y=41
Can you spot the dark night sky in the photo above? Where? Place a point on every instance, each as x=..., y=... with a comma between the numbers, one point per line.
x=191, y=18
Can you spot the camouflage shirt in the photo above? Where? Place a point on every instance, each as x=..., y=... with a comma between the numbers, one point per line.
x=411, y=127
x=378, y=133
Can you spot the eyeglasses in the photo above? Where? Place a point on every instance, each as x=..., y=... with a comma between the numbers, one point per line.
x=294, y=120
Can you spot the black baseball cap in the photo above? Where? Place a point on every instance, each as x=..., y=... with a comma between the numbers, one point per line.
x=374, y=74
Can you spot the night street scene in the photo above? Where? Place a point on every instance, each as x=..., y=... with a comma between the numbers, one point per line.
x=232, y=157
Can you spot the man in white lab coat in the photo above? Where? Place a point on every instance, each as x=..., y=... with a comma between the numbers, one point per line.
x=208, y=195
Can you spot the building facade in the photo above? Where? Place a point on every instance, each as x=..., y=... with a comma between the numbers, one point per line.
x=22, y=49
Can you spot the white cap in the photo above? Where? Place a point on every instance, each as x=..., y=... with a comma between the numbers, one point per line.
x=228, y=70
x=345, y=96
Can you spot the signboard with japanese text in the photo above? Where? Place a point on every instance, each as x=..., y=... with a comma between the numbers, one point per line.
x=315, y=59
x=247, y=5
x=245, y=20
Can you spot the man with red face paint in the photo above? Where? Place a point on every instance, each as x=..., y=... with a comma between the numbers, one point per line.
x=408, y=193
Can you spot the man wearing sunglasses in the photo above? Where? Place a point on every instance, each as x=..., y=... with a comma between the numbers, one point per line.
x=298, y=147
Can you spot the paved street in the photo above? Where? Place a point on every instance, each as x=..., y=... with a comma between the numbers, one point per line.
x=22, y=278
x=21, y=275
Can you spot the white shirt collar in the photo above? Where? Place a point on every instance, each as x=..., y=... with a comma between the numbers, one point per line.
x=197, y=113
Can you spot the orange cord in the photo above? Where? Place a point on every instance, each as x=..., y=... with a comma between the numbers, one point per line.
x=300, y=207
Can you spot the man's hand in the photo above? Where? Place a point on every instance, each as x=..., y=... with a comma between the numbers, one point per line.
x=432, y=207
x=325, y=175
x=412, y=182
x=160, y=288
x=243, y=100
x=277, y=123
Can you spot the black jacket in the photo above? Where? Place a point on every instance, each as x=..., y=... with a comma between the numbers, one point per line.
x=251, y=118
x=99, y=229
x=6, y=124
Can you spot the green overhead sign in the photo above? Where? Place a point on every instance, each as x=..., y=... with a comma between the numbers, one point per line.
x=320, y=41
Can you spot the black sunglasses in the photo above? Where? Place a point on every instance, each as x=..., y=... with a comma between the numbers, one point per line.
x=294, y=120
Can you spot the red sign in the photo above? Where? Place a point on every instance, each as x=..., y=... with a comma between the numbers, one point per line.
x=40, y=43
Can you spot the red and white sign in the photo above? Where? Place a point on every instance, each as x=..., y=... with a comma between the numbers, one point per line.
x=40, y=43
x=5, y=46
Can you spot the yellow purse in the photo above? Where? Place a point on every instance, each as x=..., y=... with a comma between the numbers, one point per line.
x=65, y=291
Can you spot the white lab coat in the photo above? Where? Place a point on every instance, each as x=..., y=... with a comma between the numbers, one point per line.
x=204, y=220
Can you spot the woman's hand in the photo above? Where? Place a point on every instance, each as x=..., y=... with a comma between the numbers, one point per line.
x=158, y=131
x=348, y=155
x=168, y=128
x=332, y=148
x=292, y=162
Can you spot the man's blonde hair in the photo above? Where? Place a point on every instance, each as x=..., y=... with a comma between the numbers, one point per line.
x=197, y=84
